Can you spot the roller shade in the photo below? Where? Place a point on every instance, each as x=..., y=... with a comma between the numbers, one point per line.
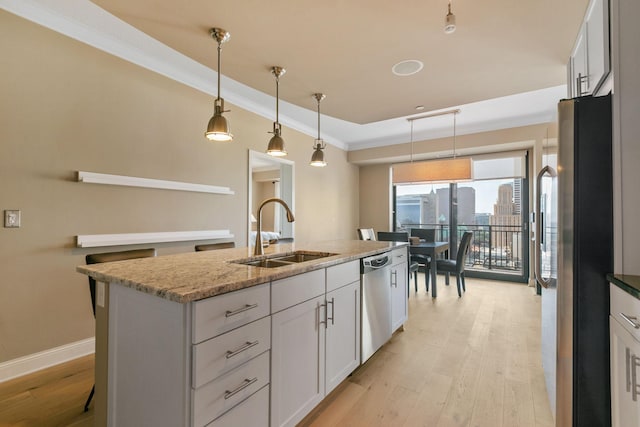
x=506, y=165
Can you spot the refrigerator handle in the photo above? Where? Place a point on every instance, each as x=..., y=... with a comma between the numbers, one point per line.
x=539, y=227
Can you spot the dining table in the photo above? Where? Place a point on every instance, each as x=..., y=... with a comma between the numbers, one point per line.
x=431, y=249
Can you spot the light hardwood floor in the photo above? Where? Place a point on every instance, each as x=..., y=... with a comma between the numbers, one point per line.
x=470, y=361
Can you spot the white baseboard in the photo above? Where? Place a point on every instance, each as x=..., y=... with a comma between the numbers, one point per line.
x=44, y=359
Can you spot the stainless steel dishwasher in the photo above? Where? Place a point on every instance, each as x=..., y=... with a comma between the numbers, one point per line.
x=375, y=274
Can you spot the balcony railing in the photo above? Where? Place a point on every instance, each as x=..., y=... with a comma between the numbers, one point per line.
x=494, y=247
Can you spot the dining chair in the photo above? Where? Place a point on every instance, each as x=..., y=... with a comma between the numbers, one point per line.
x=426, y=234
x=214, y=246
x=456, y=266
x=402, y=236
x=366, y=234
x=108, y=257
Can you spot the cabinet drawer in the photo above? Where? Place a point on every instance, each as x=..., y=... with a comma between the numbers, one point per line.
x=294, y=290
x=223, y=353
x=342, y=274
x=253, y=412
x=625, y=305
x=399, y=255
x=220, y=314
x=217, y=397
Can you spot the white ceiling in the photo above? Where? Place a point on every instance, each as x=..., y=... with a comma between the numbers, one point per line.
x=504, y=66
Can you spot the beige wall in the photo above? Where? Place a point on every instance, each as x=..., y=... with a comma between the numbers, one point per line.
x=66, y=107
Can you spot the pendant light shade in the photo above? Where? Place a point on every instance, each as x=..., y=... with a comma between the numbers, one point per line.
x=218, y=127
x=317, y=158
x=449, y=21
x=276, y=144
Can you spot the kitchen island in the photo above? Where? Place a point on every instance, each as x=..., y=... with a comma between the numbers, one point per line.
x=199, y=338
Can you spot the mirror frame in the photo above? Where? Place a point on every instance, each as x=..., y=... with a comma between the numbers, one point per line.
x=254, y=157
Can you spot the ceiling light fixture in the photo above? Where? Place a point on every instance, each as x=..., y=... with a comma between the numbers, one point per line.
x=317, y=159
x=218, y=127
x=445, y=170
x=276, y=144
x=449, y=21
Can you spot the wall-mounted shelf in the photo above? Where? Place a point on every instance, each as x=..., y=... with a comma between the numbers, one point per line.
x=132, y=181
x=97, y=240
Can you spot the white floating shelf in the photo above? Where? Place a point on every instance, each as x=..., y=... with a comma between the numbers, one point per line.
x=132, y=181
x=96, y=240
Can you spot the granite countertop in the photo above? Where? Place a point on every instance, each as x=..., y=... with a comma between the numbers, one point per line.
x=628, y=283
x=197, y=275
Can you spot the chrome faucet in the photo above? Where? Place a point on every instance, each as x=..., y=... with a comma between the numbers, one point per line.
x=259, y=250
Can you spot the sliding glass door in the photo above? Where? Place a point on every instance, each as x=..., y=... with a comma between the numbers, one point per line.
x=494, y=208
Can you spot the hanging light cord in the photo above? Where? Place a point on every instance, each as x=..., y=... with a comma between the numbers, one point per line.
x=318, y=99
x=411, y=141
x=219, y=70
x=454, y=134
x=277, y=97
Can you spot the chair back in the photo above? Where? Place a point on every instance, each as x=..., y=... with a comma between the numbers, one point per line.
x=463, y=250
x=215, y=246
x=426, y=234
x=113, y=256
x=366, y=234
x=393, y=236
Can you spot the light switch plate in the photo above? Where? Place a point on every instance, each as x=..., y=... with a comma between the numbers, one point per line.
x=12, y=218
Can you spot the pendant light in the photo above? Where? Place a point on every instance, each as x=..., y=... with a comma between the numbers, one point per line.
x=276, y=144
x=317, y=159
x=443, y=170
x=218, y=127
x=449, y=21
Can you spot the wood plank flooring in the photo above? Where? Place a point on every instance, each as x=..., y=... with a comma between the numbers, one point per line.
x=470, y=361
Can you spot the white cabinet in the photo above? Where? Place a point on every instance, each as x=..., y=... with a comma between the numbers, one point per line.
x=624, y=326
x=315, y=338
x=297, y=360
x=589, y=65
x=399, y=288
x=343, y=334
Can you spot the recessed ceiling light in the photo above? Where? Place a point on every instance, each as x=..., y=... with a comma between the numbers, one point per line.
x=407, y=68
x=419, y=107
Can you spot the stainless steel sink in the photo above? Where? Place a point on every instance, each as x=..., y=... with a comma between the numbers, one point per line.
x=266, y=263
x=281, y=260
x=302, y=256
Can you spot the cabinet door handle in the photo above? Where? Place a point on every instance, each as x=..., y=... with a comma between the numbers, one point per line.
x=333, y=310
x=325, y=315
x=632, y=320
x=230, y=313
x=627, y=368
x=579, y=80
x=635, y=387
x=244, y=347
x=246, y=383
x=394, y=278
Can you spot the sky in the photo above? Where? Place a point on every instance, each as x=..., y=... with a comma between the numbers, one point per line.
x=486, y=191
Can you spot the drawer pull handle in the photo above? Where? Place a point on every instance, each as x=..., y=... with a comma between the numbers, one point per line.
x=230, y=313
x=631, y=319
x=244, y=347
x=246, y=383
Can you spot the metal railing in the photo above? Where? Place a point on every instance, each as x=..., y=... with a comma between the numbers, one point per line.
x=498, y=248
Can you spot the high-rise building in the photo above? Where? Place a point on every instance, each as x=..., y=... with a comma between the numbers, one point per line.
x=505, y=222
x=517, y=195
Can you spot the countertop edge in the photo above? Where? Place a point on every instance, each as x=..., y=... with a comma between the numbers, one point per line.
x=628, y=283
x=186, y=294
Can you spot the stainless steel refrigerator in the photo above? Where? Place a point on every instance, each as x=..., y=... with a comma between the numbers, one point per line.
x=574, y=252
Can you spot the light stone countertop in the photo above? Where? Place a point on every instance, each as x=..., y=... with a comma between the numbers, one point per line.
x=197, y=275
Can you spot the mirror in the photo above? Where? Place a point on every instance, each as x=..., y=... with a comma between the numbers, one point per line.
x=270, y=177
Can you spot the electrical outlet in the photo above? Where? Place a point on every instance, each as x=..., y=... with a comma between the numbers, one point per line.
x=11, y=218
